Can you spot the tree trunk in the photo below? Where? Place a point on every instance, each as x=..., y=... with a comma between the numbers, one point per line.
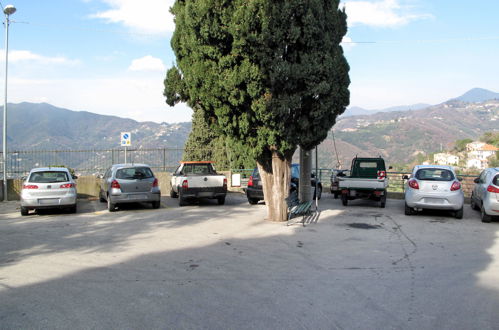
x=275, y=174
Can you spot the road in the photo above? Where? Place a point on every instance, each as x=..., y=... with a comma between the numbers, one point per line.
x=211, y=267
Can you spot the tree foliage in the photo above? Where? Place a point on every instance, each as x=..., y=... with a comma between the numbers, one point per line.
x=269, y=75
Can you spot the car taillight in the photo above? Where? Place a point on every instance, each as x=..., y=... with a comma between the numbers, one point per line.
x=455, y=186
x=67, y=185
x=381, y=175
x=30, y=186
x=493, y=189
x=185, y=184
x=250, y=181
x=155, y=183
x=413, y=184
x=225, y=182
x=115, y=185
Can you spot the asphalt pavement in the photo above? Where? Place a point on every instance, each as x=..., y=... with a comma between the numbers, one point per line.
x=207, y=266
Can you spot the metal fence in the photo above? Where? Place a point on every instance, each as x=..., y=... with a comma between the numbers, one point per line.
x=90, y=162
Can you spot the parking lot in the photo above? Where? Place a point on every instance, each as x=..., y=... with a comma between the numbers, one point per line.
x=209, y=266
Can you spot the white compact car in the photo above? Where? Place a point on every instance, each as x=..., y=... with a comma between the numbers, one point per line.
x=434, y=187
x=48, y=187
x=485, y=195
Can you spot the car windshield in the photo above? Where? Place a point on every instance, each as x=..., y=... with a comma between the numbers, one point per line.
x=133, y=173
x=434, y=174
x=48, y=177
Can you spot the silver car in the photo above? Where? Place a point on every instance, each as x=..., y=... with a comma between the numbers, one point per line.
x=485, y=195
x=434, y=187
x=48, y=187
x=129, y=183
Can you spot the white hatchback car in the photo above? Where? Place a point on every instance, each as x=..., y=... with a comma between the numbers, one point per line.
x=485, y=195
x=48, y=187
x=434, y=187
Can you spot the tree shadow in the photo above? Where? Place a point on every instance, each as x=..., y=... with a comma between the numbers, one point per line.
x=186, y=268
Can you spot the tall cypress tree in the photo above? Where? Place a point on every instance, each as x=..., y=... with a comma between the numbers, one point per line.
x=270, y=75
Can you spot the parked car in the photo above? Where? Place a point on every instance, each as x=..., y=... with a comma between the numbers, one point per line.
x=367, y=180
x=254, y=190
x=129, y=183
x=434, y=187
x=48, y=187
x=485, y=195
x=335, y=181
x=197, y=179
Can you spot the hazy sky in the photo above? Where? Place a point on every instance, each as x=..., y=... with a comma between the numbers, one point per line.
x=110, y=56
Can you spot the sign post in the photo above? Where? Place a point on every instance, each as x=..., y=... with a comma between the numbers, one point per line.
x=126, y=141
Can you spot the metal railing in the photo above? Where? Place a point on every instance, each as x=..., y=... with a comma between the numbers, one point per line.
x=90, y=162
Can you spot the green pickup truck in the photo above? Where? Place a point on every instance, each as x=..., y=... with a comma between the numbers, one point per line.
x=367, y=180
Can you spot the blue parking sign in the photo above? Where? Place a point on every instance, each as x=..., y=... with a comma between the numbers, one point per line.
x=126, y=139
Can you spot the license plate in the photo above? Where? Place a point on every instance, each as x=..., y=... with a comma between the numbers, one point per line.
x=434, y=200
x=205, y=194
x=48, y=201
x=137, y=196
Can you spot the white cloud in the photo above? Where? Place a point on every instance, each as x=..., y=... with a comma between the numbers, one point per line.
x=381, y=13
x=147, y=16
x=17, y=56
x=147, y=63
x=347, y=43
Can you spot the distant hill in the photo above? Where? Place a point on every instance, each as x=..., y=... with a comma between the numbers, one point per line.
x=41, y=126
x=401, y=136
x=358, y=111
x=477, y=95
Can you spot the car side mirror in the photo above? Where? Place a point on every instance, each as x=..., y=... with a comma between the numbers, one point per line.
x=74, y=177
x=24, y=178
x=405, y=177
x=390, y=167
x=459, y=179
x=476, y=180
x=100, y=176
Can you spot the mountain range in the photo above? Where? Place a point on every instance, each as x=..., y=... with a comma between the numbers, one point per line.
x=399, y=134
x=473, y=95
x=41, y=126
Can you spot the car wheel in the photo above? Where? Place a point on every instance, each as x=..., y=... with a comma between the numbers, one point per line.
x=473, y=203
x=408, y=210
x=181, y=200
x=344, y=200
x=459, y=213
x=73, y=209
x=173, y=194
x=382, y=202
x=336, y=195
x=253, y=201
x=110, y=206
x=484, y=216
x=24, y=211
x=221, y=200
x=101, y=197
x=156, y=204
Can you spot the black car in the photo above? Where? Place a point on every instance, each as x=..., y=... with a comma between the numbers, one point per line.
x=254, y=190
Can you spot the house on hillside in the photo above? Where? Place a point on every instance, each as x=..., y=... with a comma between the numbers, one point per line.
x=445, y=159
x=478, y=154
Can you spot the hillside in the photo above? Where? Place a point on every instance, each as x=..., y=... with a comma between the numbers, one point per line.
x=41, y=126
x=401, y=136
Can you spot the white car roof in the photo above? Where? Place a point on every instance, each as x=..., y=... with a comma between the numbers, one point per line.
x=54, y=169
x=442, y=167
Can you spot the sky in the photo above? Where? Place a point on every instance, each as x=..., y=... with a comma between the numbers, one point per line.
x=110, y=56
